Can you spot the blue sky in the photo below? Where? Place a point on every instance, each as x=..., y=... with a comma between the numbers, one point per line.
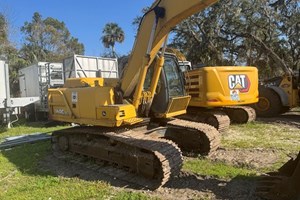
x=84, y=19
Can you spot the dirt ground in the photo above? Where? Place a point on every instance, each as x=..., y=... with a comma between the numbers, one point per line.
x=256, y=158
x=291, y=118
x=189, y=185
x=186, y=186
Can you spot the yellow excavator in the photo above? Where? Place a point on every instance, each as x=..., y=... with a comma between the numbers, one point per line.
x=128, y=122
x=223, y=94
x=220, y=94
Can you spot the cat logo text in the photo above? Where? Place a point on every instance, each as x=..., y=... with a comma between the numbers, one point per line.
x=239, y=82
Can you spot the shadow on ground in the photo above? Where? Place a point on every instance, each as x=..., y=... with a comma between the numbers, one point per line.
x=37, y=160
x=290, y=118
x=240, y=187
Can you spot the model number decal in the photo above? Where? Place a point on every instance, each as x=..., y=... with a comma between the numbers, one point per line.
x=60, y=112
x=74, y=97
x=239, y=82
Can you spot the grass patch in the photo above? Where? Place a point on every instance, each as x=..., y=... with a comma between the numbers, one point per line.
x=22, y=178
x=262, y=135
x=216, y=169
x=23, y=129
x=48, y=187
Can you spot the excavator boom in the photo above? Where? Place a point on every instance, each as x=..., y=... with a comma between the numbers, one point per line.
x=155, y=34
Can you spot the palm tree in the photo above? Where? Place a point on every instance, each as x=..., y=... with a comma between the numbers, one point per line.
x=112, y=33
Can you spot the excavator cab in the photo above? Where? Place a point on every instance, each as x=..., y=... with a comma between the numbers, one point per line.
x=170, y=98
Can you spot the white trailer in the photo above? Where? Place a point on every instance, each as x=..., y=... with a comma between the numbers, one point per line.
x=35, y=80
x=10, y=105
x=3, y=87
x=79, y=66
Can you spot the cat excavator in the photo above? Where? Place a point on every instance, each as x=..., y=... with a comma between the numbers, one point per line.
x=220, y=94
x=129, y=122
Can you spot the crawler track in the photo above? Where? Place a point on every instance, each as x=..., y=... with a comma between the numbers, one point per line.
x=141, y=156
x=193, y=137
x=108, y=169
x=217, y=119
x=240, y=114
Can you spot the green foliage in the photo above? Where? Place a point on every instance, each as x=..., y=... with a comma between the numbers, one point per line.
x=48, y=40
x=217, y=169
x=137, y=20
x=262, y=135
x=9, y=53
x=238, y=32
x=111, y=34
x=45, y=40
x=3, y=29
x=6, y=48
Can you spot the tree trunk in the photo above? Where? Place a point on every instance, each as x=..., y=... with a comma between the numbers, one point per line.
x=273, y=54
x=113, y=51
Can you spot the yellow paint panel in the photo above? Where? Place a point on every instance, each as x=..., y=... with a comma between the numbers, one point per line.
x=88, y=105
x=177, y=106
x=83, y=82
x=216, y=86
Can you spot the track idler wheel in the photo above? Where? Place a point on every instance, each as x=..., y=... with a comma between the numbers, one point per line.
x=239, y=116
